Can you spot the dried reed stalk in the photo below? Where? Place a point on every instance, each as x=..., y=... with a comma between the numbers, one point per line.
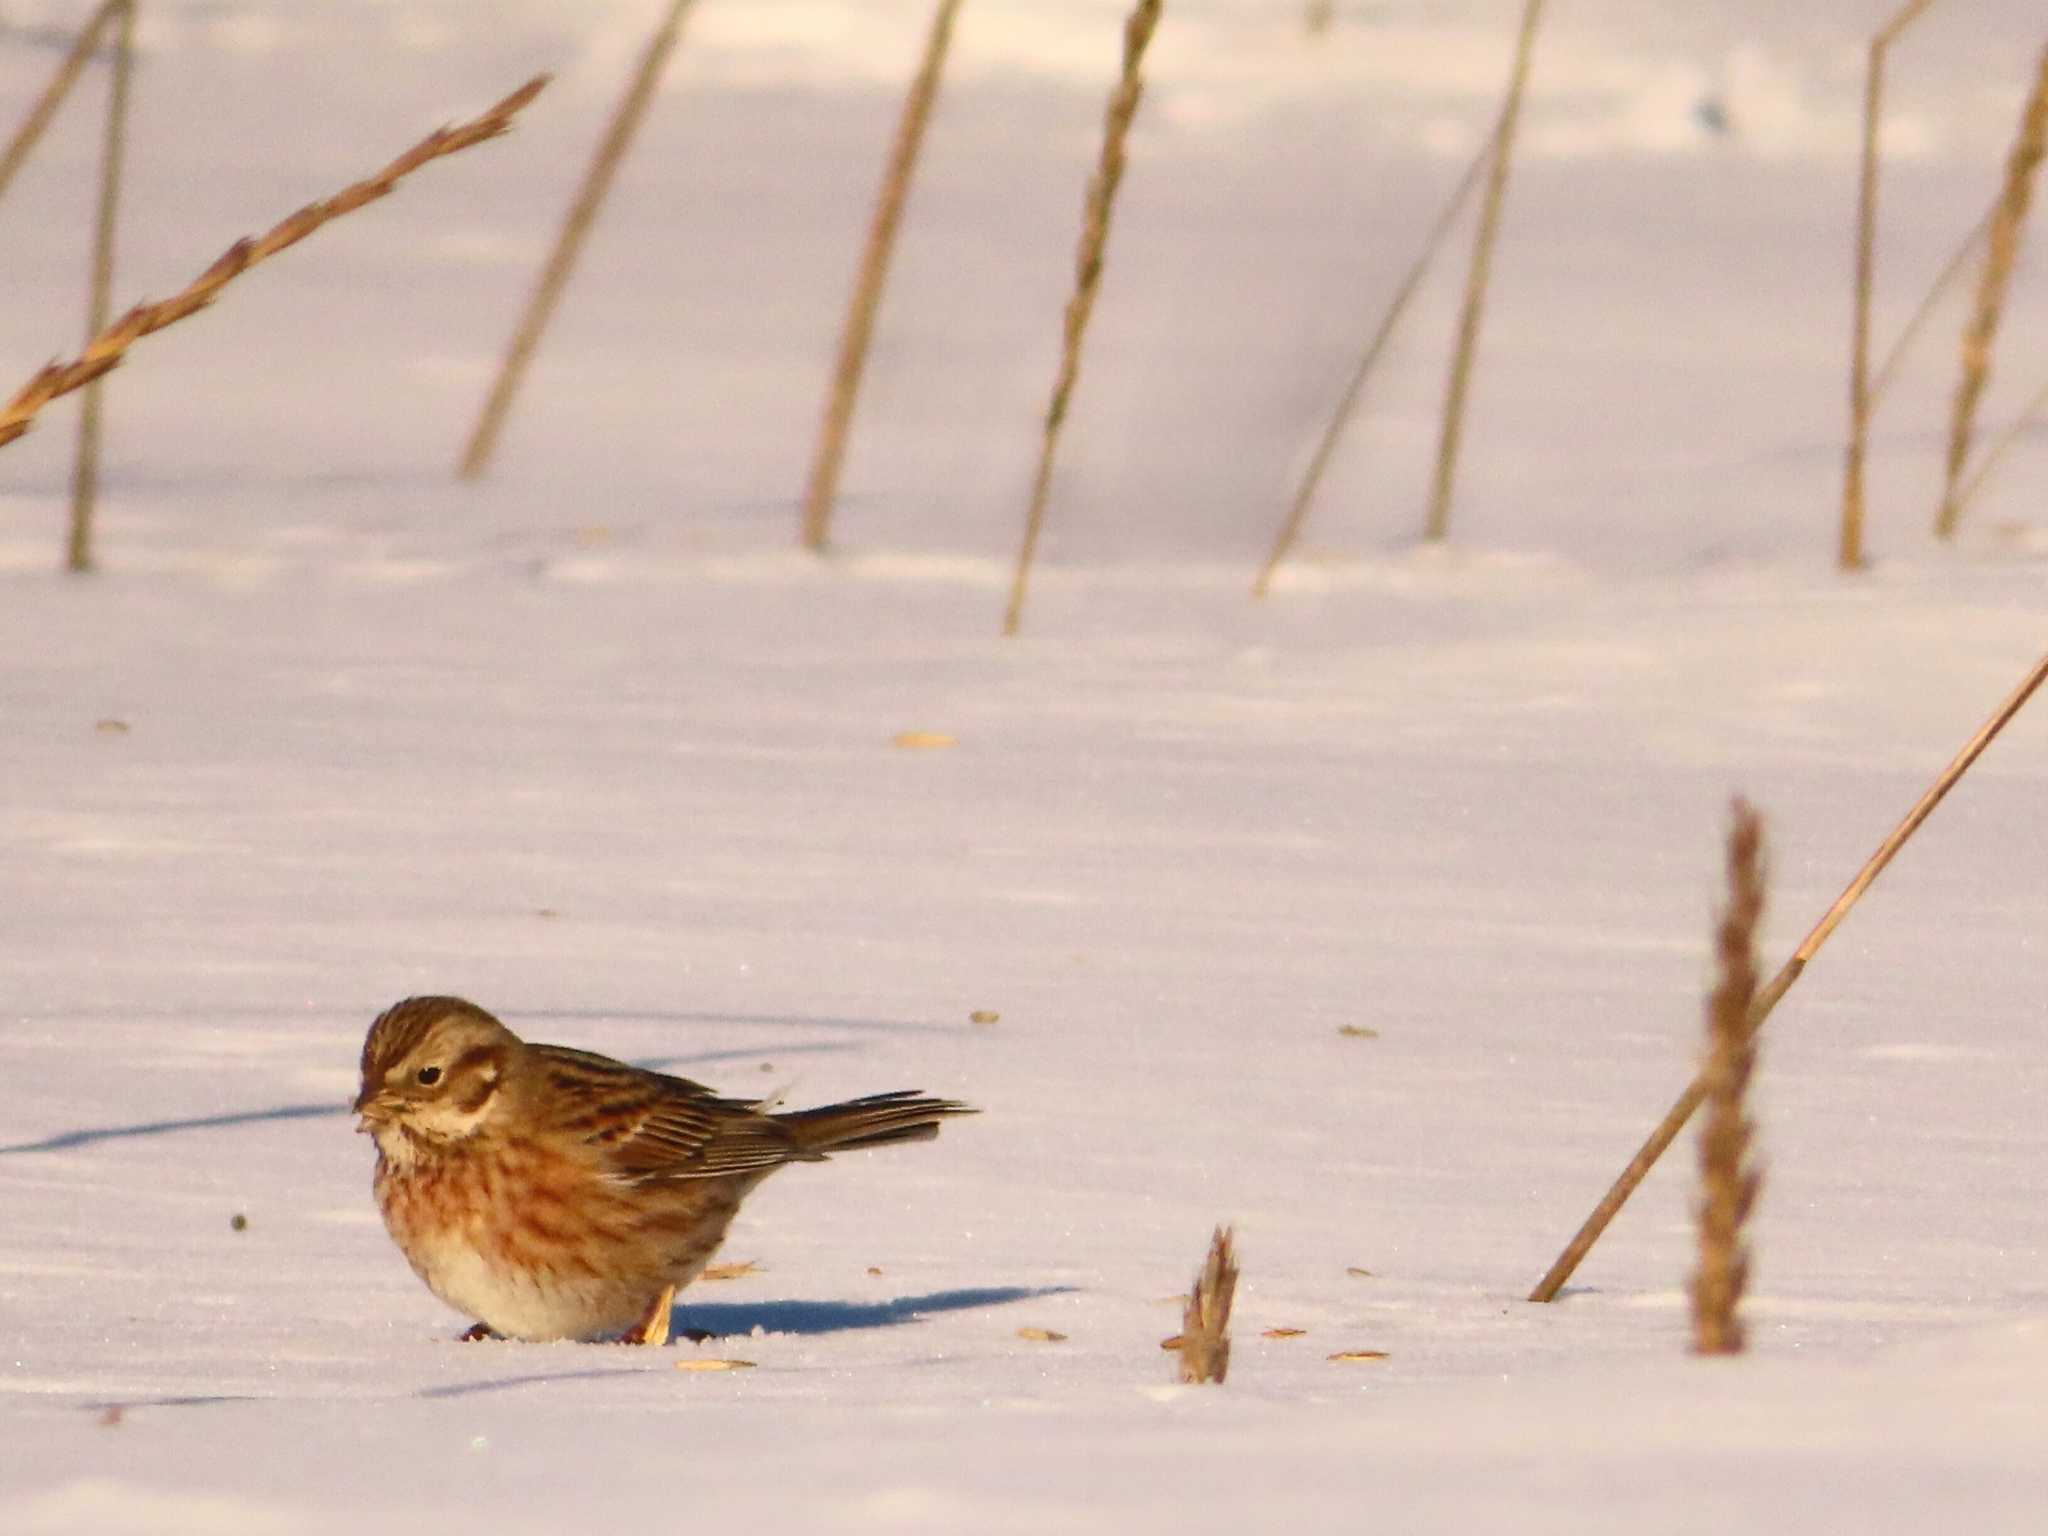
x=1850, y=551
x=1476, y=277
x=1354, y=391
x=106, y=350
x=45, y=106
x=2002, y=247
x=1945, y=280
x=1729, y=1177
x=2029, y=417
x=85, y=467
x=1205, y=1325
x=576, y=224
x=1681, y=1111
x=859, y=327
x=1101, y=201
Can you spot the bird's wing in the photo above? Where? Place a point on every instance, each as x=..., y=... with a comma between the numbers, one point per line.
x=649, y=1125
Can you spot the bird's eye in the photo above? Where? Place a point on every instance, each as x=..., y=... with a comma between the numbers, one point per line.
x=429, y=1076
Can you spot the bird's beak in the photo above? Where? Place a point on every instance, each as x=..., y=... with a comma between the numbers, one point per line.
x=371, y=1109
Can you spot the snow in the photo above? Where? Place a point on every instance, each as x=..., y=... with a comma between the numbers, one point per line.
x=594, y=745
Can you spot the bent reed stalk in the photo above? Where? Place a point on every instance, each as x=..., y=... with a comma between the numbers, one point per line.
x=1354, y=390
x=576, y=224
x=106, y=350
x=1681, y=1111
x=30, y=131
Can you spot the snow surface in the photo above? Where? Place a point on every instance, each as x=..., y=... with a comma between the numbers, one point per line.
x=592, y=744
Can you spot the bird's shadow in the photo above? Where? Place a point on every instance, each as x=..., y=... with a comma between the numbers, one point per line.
x=726, y=1319
x=733, y=1319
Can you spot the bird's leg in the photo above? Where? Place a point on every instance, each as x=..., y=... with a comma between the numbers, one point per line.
x=653, y=1325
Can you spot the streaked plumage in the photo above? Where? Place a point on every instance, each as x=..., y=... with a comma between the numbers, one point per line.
x=552, y=1193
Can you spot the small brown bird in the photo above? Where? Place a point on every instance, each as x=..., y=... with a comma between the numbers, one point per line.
x=552, y=1193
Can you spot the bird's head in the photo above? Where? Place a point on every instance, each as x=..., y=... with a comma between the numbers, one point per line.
x=432, y=1071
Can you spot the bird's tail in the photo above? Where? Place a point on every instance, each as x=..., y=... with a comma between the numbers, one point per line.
x=875, y=1121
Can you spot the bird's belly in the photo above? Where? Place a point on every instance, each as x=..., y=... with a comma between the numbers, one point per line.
x=535, y=1248
x=526, y=1300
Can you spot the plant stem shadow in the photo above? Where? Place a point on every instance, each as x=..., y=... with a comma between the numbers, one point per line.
x=88, y=1135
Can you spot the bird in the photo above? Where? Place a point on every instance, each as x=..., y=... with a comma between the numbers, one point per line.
x=554, y=1193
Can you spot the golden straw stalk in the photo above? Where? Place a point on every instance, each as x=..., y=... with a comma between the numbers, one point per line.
x=1476, y=278
x=44, y=107
x=85, y=467
x=106, y=350
x=2002, y=247
x=1729, y=1178
x=1944, y=281
x=2003, y=444
x=1347, y=403
x=1861, y=398
x=561, y=262
x=823, y=485
x=1681, y=1111
x=1101, y=201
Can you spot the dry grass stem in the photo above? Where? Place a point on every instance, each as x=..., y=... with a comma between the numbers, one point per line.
x=1682, y=1110
x=1101, y=202
x=2003, y=444
x=30, y=130
x=1945, y=280
x=823, y=486
x=1354, y=391
x=1850, y=549
x=1205, y=1324
x=576, y=225
x=85, y=466
x=2002, y=246
x=1729, y=1178
x=106, y=350
x=1476, y=279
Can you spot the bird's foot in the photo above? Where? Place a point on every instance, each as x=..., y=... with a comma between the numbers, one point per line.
x=653, y=1325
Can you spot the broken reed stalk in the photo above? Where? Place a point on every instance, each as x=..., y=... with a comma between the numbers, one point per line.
x=105, y=351
x=1100, y=203
x=85, y=467
x=1476, y=278
x=1951, y=270
x=1849, y=553
x=1674, y=1119
x=823, y=486
x=2004, y=444
x=1354, y=391
x=1205, y=1324
x=576, y=224
x=2002, y=247
x=45, y=106
x=1729, y=1177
